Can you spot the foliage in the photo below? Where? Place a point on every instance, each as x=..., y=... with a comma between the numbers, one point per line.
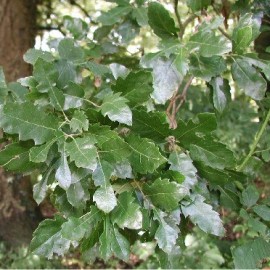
x=121, y=155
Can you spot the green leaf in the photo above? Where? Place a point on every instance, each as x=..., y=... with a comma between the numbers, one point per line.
x=127, y=214
x=105, y=198
x=166, y=78
x=32, y=55
x=67, y=50
x=73, y=94
x=79, y=122
x=78, y=194
x=218, y=176
x=213, y=154
x=152, y=125
x=190, y=133
x=45, y=74
x=30, y=123
x=161, y=21
x=145, y=156
x=114, y=15
x=39, y=153
x=118, y=70
x=83, y=152
x=15, y=157
x=67, y=73
x=98, y=69
x=180, y=162
x=76, y=228
x=141, y=16
x=63, y=173
x=47, y=238
x=207, y=44
x=112, y=242
x=203, y=215
x=128, y=30
x=123, y=170
x=206, y=67
x=3, y=86
x=165, y=194
x=136, y=87
x=167, y=232
x=262, y=211
x=196, y=5
x=57, y=98
x=17, y=91
x=40, y=188
x=112, y=147
x=250, y=196
x=102, y=173
x=76, y=26
x=116, y=108
x=248, y=79
x=245, y=32
x=249, y=255
x=221, y=93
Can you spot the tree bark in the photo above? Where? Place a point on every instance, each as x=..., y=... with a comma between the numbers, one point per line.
x=18, y=211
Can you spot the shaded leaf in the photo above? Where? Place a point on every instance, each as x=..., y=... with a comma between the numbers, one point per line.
x=76, y=228
x=15, y=157
x=221, y=93
x=79, y=121
x=250, y=254
x=262, y=211
x=136, y=87
x=207, y=44
x=165, y=194
x=182, y=163
x=47, y=238
x=161, y=21
x=248, y=79
x=245, y=32
x=127, y=214
x=206, y=67
x=250, y=196
x=32, y=55
x=28, y=121
x=114, y=15
x=145, y=156
x=67, y=50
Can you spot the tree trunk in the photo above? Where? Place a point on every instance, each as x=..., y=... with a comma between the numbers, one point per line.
x=18, y=211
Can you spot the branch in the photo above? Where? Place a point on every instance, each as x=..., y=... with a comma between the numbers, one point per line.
x=173, y=109
x=178, y=17
x=255, y=143
x=51, y=28
x=190, y=19
x=74, y=3
x=224, y=33
x=85, y=12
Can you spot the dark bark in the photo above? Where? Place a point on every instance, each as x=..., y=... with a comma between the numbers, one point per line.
x=18, y=211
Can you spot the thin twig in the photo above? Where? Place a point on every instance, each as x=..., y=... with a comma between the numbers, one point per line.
x=178, y=16
x=190, y=19
x=173, y=108
x=74, y=3
x=255, y=143
x=224, y=33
